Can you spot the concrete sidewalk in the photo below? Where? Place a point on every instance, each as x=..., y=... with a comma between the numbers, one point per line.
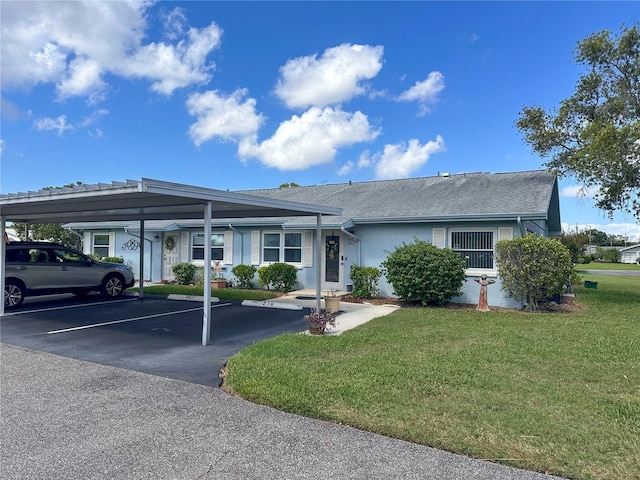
x=351, y=314
x=66, y=419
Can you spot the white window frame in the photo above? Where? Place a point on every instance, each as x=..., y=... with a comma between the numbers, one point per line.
x=226, y=247
x=282, y=247
x=477, y=271
x=110, y=246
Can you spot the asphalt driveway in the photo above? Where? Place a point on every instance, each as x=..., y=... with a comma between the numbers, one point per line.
x=151, y=335
x=63, y=418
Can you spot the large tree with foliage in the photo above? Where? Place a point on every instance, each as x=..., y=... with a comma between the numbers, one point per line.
x=594, y=135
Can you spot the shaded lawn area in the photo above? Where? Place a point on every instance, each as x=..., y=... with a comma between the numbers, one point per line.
x=549, y=392
x=607, y=266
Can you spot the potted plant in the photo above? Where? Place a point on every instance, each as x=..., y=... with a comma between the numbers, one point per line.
x=218, y=281
x=332, y=302
x=318, y=322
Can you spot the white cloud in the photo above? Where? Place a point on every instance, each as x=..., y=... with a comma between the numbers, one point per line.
x=579, y=191
x=48, y=124
x=2, y=145
x=84, y=80
x=310, y=139
x=333, y=78
x=346, y=169
x=226, y=117
x=401, y=160
x=74, y=44
x=425, y=92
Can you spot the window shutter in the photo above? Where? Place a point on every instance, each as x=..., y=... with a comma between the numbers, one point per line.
x=184, y=248
x=87, y=243
x=307, y=249
x=505, y=233
x=255, y=247
x=227, y=256
x=112, y=244
x=439, y=237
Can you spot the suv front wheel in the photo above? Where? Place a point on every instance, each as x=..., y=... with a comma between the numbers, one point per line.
x=112, y=286
x=14, y=292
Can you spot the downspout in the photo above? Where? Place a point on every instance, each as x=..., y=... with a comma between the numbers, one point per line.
x=353, y=237
x=234, y=229
x=523, y=231
x=70, y=230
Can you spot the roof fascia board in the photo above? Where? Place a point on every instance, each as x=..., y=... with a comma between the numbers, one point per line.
x=451, y=218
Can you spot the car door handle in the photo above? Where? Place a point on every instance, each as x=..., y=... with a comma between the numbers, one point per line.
x=64, y=269
x=22, y=267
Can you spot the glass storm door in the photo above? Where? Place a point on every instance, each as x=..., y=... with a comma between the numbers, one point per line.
x=332, y=262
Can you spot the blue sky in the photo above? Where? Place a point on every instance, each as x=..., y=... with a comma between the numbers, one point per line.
x=243, y=95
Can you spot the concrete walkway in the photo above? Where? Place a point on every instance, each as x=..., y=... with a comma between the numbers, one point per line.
x=351, y=314
x=67, y=419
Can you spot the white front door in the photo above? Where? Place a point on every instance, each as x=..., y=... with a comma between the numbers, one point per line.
x=169, y=255
x=332, y=261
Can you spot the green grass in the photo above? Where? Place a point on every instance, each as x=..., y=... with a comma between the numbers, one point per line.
x=549, y=392
x=222, y=293
x=607, y=266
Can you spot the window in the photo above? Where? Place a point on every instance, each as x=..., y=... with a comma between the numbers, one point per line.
x=217, y=246
x=101, y=244
x=476, y=247
x=278, y=247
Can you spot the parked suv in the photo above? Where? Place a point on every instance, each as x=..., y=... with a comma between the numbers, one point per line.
x=42, y=268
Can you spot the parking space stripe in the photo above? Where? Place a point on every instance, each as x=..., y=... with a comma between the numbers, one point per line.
x=135, y=319
x=64, y=307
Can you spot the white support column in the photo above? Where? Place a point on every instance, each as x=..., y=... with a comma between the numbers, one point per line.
x=206, y=320
x=318, y=262
x=3, y=249
x=141, y=277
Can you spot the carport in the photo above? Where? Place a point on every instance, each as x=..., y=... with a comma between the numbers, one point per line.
x=149, y=199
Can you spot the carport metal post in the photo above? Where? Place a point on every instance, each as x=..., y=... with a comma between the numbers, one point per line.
x=318, y=260
x=141, y=277
x=2, y=262
x=206, y=313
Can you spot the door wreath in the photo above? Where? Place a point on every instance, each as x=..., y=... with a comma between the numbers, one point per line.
x=170, y=243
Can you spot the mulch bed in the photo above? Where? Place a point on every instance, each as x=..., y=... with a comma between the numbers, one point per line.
x=563, y=305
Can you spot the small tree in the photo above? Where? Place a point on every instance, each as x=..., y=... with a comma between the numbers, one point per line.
x=244, y=274
x=365, y=281
x=421, y=272
x=533, y=268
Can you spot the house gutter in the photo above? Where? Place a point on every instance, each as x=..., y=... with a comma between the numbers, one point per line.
x=522, y=229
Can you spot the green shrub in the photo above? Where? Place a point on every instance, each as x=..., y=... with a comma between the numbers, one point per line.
x=533, y=268
x=113, y=259
x=244, y=275
x=280, y=276
x=365, y=281
x=608, y=255
x=421, y=272
x=264, y=277
x=184, y=273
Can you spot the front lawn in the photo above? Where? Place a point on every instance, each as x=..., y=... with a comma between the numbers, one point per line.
x=550, y=392
x=607, y=266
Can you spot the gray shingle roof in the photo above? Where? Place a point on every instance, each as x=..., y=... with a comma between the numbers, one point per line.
x=471, y=195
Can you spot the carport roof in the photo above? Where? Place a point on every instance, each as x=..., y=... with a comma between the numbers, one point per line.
x=146, y=199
